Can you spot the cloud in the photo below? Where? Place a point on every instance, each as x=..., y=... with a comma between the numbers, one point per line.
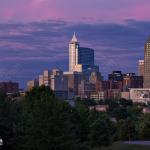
x=74, y=10
x=26, y=49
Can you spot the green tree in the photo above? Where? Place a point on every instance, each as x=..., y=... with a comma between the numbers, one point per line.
x=82, y=122
x=47, y=122
x=101, y=129
x=99, y=134
x=144, y=127
x=9, y=120
x=126, y=129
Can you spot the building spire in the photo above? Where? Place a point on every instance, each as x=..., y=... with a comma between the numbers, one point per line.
x=74, y=38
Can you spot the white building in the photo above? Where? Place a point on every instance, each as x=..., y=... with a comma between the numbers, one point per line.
x=141, y=95
x=73, y=53
x=31, y=84
x=45, y=78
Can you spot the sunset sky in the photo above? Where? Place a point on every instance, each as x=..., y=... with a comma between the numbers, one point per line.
x=34, y=34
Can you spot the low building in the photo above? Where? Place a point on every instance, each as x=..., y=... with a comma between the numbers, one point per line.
x=97, y=96
x=146, y=110
x=9, y=87
x=125, y=95
x=100, y=108
x=141, y=95
x=130, y=80
x=114, y=94
x=85, y=89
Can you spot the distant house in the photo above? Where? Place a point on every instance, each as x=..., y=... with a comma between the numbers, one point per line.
x=100, y=108
x=146, y=110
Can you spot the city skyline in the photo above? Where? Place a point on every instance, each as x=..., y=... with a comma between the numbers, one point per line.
x=30, y=44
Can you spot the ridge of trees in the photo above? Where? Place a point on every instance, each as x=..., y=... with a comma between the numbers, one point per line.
x=41, y=121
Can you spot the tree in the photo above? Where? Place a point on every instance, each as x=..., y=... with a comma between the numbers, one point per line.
x=144, y=127
x=47, y=122
x=9, y=119
x=100, y=130
x=126, y=129
x=99, y=134
x=82, y=122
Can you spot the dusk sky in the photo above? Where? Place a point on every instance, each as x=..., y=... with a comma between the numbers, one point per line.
x=34, y=34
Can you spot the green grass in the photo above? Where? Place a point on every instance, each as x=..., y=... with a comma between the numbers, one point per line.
x=123, y=146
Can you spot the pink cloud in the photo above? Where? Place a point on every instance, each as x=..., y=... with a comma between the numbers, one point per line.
x=70, y=10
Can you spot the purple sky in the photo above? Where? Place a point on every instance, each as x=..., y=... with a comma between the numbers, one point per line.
x=34, y=34
x=74, y=10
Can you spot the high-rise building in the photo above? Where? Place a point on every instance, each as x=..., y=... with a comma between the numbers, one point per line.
x=44, y=79
x=80, y=58
x=74, y=79
x=31, y=84
x=130, y=80
x=115, y=76
x=141, y=68
x=59, y=84
x=115, y=80
x=147, y=64
x=73, y=53
x=85, y=89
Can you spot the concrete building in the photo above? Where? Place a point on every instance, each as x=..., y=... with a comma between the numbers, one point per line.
x=115, y=76
x=147, y=64
x=56, y=80
x=115, y=80
x=96, y=79
x=9, y=87
x=44, y=79
x=97, y=96
x=31, y=84
x=59, y=83
x=114, y=94
x=74, y=79
x=140, y=95
x=99, y=108
x=130, y=80
x=85, y=89
x=141, y=68
x=125, y=95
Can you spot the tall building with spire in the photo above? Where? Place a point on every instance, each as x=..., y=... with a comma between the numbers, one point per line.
x=73, y=53
x=147, y=65
x=80, y=58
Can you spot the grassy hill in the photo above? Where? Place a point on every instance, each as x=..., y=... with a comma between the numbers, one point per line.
x=123, y=146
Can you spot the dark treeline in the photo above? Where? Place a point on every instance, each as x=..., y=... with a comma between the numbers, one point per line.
x=42, y=122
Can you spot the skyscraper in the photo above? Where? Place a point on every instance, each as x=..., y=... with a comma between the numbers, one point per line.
x=141, y=68
x=147, y=65
x=79, y=57
x=73, y=53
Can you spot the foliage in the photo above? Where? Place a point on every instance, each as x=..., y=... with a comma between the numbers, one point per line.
x=41, y=121
x=9, y=118
x=144, y=127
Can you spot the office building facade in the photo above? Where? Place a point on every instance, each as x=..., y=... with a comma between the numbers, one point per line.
x=141, y=68
x=147, y=65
